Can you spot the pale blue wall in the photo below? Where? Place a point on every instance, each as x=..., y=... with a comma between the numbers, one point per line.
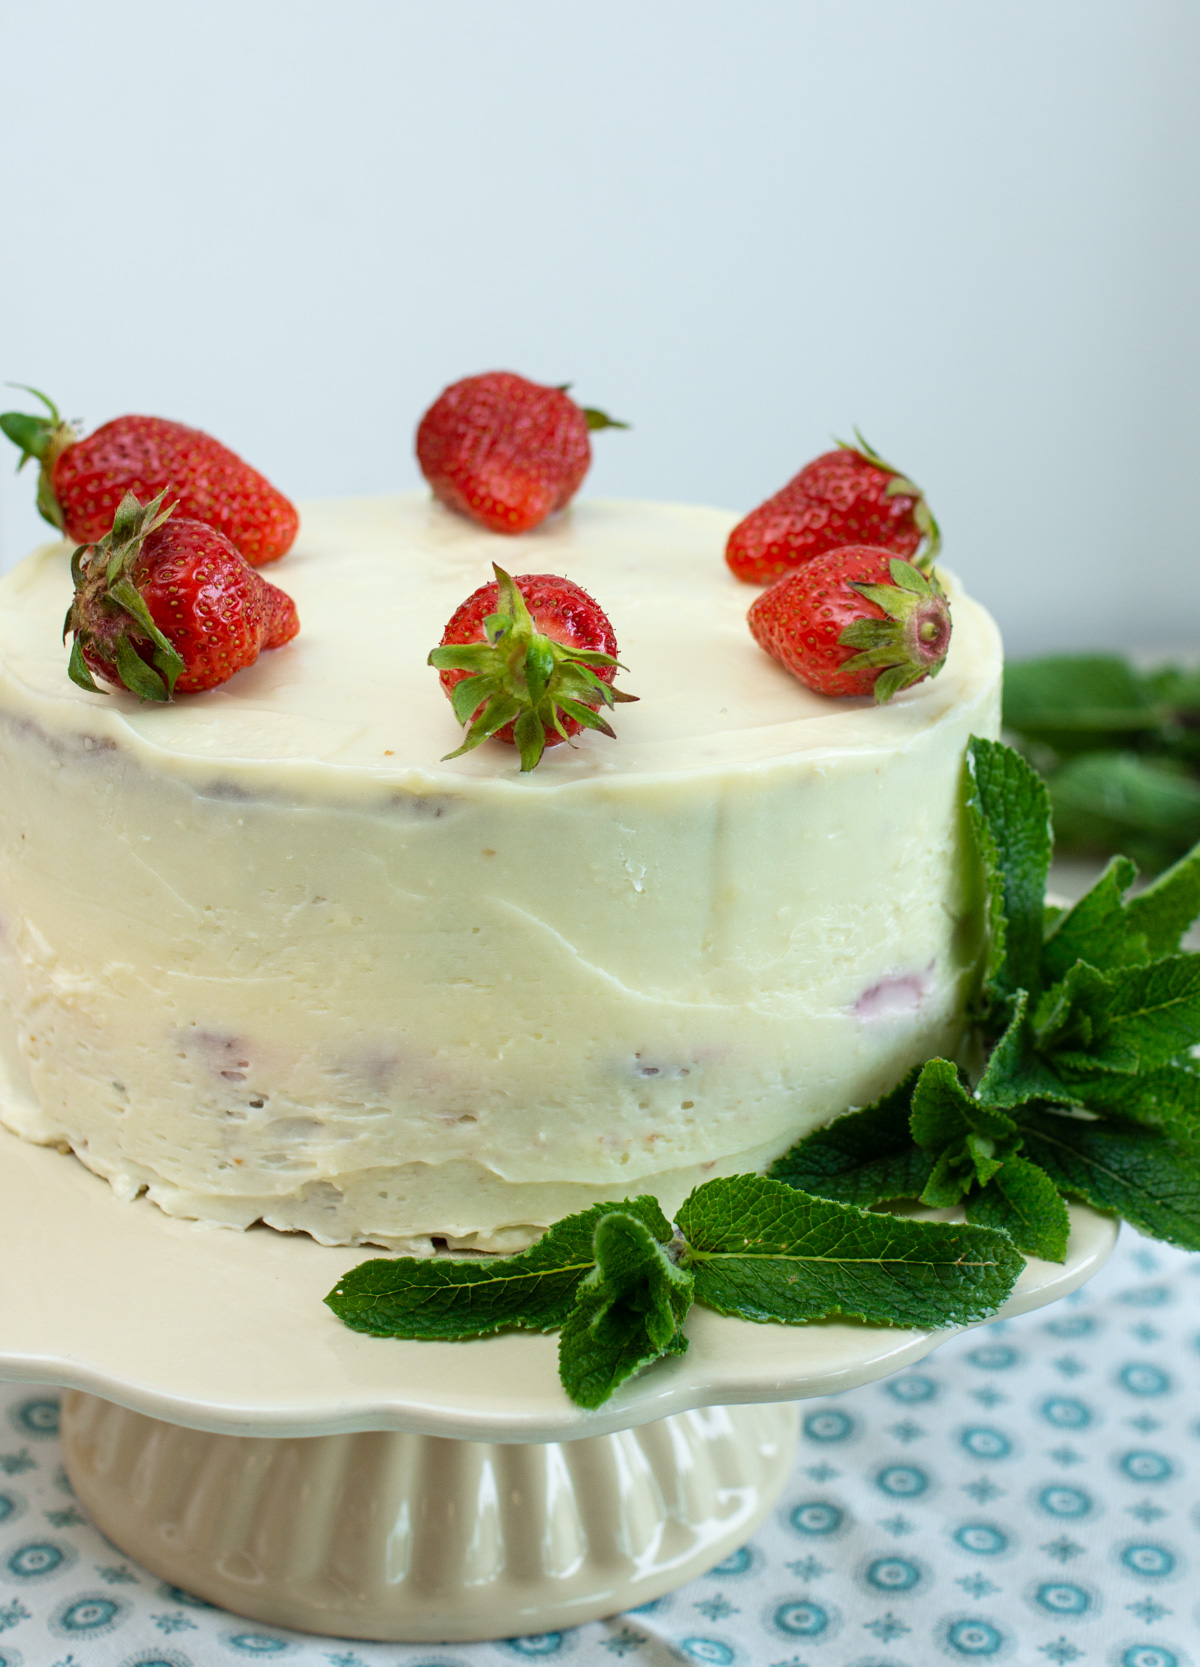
x=968, y=225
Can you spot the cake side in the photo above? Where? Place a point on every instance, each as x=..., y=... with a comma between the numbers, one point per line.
x=260, y=973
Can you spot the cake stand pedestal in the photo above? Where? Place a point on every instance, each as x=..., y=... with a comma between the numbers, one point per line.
x=227, y=1432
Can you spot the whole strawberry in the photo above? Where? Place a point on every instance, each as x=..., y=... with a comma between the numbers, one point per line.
x=83, y=481
x=164, y=605
x=528, y=660
x=506, y=451
x=855, y=621
x=847, y=496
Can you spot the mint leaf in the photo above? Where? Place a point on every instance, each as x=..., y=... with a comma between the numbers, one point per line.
x=943, y=1110
x=1132, y=1170
x=448, y=1298
x=1021, y=1199
x=950, y=1180
x=1071, y=1015
x=866, y=1157
x=1134, y=1019
x=1169, y=1098
x=1165, y=910
x=1016, y=1072
x=764, y=1252
x=1105, y=801
x=1072, y=701
x=1009, y=813
x=970, y=1138
x=1098, y=929
x=628, y=1311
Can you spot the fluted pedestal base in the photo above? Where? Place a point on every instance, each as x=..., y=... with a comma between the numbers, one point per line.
x=419, y=1538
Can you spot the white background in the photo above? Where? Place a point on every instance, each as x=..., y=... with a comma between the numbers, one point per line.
x=967, y=225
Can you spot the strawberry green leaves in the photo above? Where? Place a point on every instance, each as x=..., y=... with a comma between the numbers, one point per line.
x=900, y=486
x=104, y=591
x=764, y=1252
x=521, y=683
x=911, y=639
x=44, y=439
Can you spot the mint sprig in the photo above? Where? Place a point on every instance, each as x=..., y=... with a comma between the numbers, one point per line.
x=628, y=1311
x=619, y=1284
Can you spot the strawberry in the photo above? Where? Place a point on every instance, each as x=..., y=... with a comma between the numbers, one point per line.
x=166, y=605
x=847, y=496
x=83, y=481
x=853, y=621
x=506, y=451
x=528, y=660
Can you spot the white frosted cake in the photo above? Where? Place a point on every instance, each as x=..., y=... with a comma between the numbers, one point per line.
x=264, y=957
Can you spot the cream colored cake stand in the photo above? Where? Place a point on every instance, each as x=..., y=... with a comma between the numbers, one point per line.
x=225, y=1430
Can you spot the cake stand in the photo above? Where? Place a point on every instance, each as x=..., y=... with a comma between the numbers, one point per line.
x=227, y=1432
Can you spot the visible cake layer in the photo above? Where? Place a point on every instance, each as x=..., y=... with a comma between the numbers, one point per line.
x=266, y=957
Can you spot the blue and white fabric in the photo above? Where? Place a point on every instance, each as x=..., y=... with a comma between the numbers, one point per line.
x=1028, y=1494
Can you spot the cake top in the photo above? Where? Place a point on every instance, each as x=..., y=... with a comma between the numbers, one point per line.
x=375, y=581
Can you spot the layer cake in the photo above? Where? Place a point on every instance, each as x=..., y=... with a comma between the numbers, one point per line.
x=264, y=957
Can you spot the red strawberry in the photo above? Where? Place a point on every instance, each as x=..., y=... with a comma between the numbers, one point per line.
x=165, y=605
x=528, y=660
x=506, y=451
x=855, y=620
x=83, y=481
x=847, y=496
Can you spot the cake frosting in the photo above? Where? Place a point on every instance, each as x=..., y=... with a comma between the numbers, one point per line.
x=264, y=957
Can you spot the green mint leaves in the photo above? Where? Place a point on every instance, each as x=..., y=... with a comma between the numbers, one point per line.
x=448, y=1299
x=1086, y=1019
x=943, y=1146
x=629, y=1310
x=1120, y=749
x=1009, y=812
x=762, y=1251
x=619, y=1285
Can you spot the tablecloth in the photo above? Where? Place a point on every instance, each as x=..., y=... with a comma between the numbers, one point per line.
x=1026, y=1494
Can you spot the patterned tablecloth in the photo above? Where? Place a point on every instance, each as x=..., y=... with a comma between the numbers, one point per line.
x=1027, y=1494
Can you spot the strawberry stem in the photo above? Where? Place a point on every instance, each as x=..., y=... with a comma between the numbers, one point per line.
x=522, y=677
x=900, y=486
x=912, y=641
x=106, y=595
x=600, y=419
x=44, y=439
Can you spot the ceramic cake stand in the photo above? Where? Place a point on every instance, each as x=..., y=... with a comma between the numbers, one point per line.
x=227, y=1432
